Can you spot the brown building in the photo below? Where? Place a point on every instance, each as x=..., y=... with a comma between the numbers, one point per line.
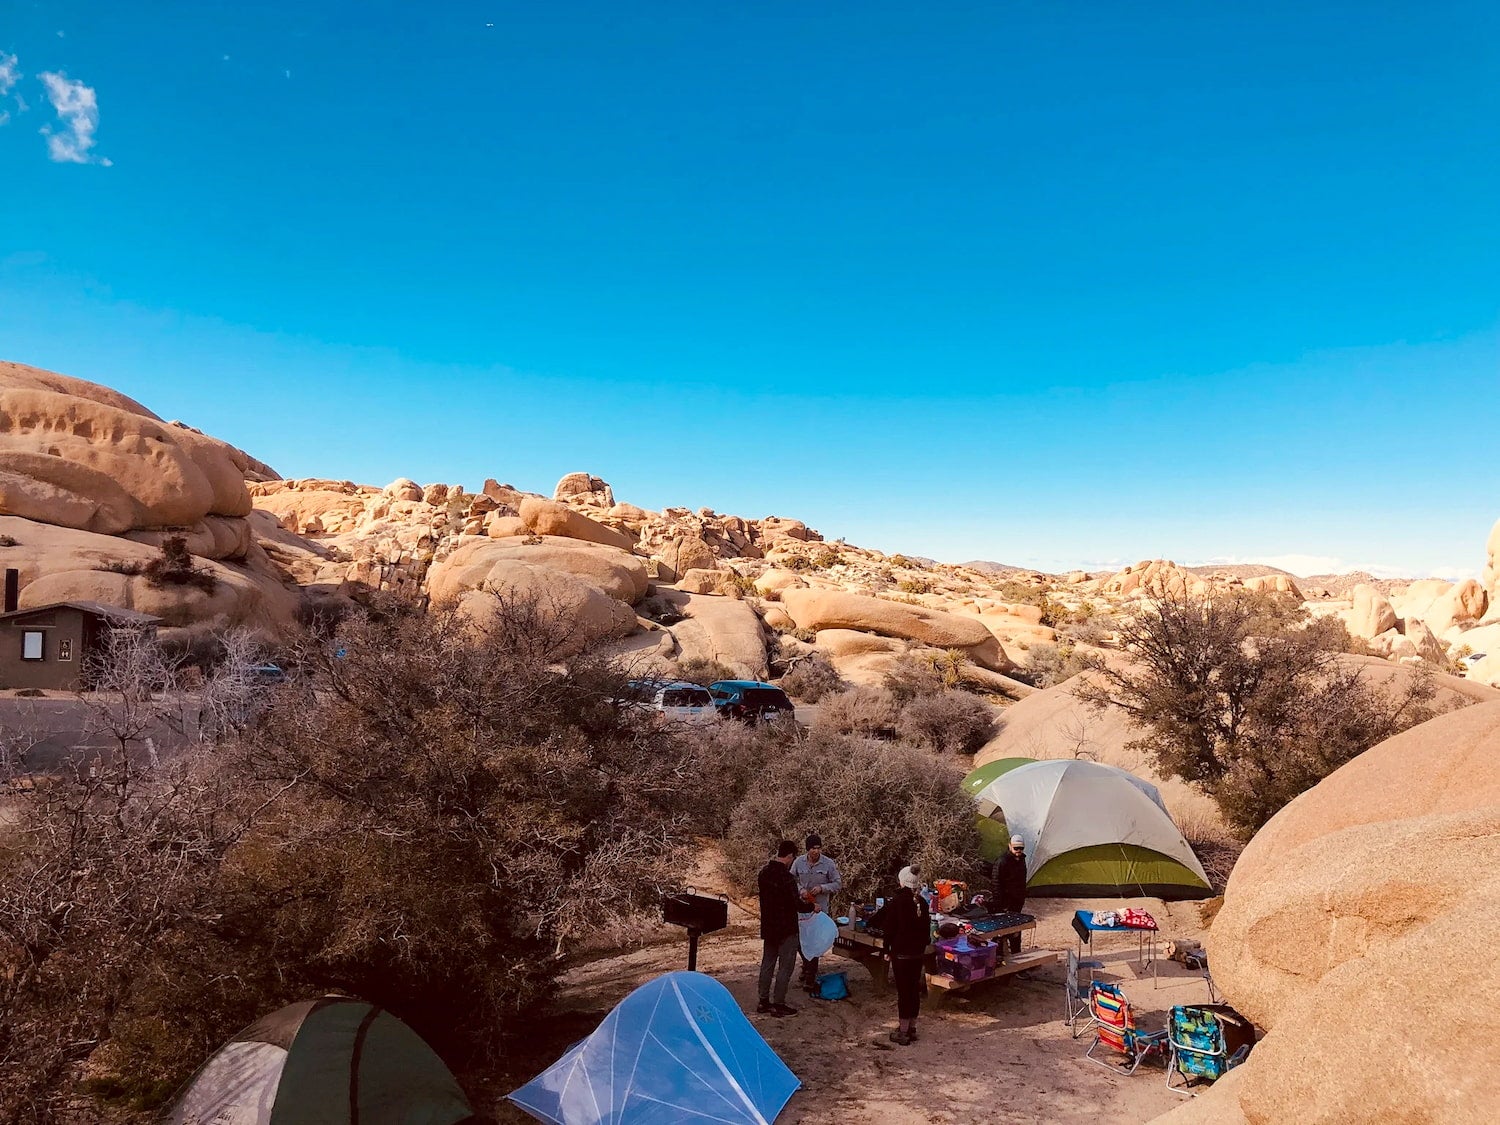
x=48, y=646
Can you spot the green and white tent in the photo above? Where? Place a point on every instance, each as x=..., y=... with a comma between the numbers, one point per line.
x=1092, y=829
x=332, y=1061
x=993, y=836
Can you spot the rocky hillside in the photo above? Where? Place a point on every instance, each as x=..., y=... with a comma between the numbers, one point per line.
x=92, y=482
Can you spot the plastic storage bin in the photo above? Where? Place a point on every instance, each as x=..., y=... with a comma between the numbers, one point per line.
x=958, y=959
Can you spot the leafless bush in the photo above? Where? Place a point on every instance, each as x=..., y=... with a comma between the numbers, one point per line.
x=860, y=710
x=702, y=671
x=811, y=679
x=1049, y=664
x=951, y=722
x=175, y=567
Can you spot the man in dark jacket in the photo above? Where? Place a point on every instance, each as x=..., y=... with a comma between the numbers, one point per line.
x=1010, y=885
x=780, y=906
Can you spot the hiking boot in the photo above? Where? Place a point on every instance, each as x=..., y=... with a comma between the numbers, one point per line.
x=913, y=1035
x=901, y=1039
x=783, y=1010
x=764, y=1008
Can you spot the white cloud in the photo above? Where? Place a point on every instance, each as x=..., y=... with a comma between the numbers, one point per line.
x=1306, y=565
x=77, y=109
x=10, y=74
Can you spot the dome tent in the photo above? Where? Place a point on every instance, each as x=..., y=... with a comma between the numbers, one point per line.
x=678, y=1048
x=1093, y=829
x=993, y=836
x=323, y=1062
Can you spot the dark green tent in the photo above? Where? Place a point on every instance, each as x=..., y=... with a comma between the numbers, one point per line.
x=332, y=1061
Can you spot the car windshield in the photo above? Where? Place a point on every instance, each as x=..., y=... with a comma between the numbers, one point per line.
x=766, y=697
x=686, y=697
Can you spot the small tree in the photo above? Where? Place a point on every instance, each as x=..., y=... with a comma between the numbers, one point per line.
x=1244, y=697
x=951, y=722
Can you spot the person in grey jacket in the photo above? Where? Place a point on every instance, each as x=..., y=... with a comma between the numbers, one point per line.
x=818, y=880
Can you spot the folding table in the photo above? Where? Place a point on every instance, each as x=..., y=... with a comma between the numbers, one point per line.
x=1085, y=927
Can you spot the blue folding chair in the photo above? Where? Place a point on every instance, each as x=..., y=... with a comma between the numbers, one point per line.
x=1204, y=1044
x=1076, y=993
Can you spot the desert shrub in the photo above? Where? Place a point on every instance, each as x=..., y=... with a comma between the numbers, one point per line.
x=1048, y=664
x=878, y=807
x=9, y=541
x=426, y=829
x=727, y=758
x=812, y=679
x=868, y=711
x=123, y=566
x=703, y=671
x=174, y=566
x=1245, y=698
x=659, y=609
x=906, y=563
x=825, y=557
x=910, y=677
x=914, y=586
x=740, y=585
x=951, y=722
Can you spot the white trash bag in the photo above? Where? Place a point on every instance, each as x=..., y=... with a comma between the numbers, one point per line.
x=817, y=934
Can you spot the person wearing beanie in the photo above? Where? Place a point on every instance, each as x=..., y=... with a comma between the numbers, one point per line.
x=818, y=880
x=780, y=907
x=907, y=925
x=1010, y=885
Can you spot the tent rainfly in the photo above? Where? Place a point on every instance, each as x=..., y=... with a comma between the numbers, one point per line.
x=678, y=1048
x=993, y=837
x=1093, y=829
x=333, y=1061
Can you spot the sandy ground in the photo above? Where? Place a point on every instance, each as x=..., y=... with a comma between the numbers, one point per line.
x=1000, y=1052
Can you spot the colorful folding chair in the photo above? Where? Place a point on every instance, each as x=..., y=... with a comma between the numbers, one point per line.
x=1201, y=1046
x=1115, y=1030
x=1076, y=993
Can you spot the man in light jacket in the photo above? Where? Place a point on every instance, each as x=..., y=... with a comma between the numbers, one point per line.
x=818, y=880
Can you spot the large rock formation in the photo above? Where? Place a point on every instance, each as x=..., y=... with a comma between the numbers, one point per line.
x=79, y=455
x=833, y=609
x=1340, y=928
x=1371, y=614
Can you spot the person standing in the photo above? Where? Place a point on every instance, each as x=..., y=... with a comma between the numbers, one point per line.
x=1010, y=885
x=818, y=881
x=907, y=925
x=780, y=906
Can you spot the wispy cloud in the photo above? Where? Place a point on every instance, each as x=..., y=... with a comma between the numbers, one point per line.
x=77, y=109
x=10, y=74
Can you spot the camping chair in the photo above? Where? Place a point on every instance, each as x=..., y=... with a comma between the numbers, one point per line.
x=1076, y=994
x=1115, y=1030
x=1199, y=1046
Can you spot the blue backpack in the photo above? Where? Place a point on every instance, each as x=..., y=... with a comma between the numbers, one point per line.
x=831, y=986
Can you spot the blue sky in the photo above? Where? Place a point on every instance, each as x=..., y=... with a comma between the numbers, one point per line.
x=1052, y=284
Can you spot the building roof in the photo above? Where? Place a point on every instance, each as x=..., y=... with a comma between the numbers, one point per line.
x=115, y=615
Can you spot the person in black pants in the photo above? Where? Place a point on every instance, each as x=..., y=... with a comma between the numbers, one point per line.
x=780, y=905
x=907, y=925
x=1010, y=885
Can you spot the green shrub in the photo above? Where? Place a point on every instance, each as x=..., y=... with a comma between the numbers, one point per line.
x=1048, y=664
x=878, y=808
x=914, y=586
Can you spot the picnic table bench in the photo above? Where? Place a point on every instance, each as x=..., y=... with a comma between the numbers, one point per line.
x=871, y=950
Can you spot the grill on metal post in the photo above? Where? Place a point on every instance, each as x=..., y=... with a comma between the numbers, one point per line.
x=698, y=914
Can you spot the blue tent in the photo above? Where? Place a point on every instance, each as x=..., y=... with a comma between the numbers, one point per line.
x=676, y=1049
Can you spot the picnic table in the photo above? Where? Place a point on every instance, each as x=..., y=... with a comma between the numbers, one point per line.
x=1145, y=936
x=871, y=950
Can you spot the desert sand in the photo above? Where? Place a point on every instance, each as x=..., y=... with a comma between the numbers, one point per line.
x=1000, y=1052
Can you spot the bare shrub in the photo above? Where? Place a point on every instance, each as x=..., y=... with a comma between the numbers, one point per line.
x=425, y=819
x=811, y=679
x=727, y=758
x=702, y=671
x=877, y=806
x=910, y=677
x=175, y=567
x=951, y=722
x=860, y=710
